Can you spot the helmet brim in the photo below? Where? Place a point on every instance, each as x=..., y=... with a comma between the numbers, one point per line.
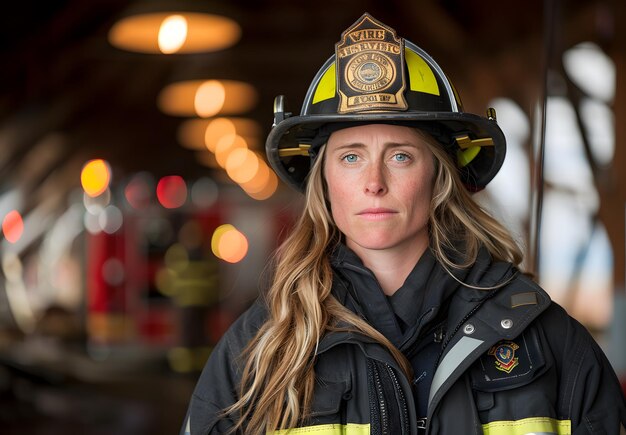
x=296, y=130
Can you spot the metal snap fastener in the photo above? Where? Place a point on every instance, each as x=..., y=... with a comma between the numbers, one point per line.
x=469, y=329
x=506, y=323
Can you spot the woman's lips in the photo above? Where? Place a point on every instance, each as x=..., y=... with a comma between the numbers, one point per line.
x=376, y=213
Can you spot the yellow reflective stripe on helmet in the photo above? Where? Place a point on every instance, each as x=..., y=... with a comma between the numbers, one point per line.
x=528, y=426
x=421, y=76
x=327, y=86
x=327, y=429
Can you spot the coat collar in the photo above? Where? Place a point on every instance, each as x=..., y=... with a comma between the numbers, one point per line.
x=502, y=315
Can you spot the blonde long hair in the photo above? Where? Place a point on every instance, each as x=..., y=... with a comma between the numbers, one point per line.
x=278, y=377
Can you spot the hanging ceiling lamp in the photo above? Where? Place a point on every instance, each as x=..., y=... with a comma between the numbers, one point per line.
x=175, y=27
x=202, y=134
x=207, y=98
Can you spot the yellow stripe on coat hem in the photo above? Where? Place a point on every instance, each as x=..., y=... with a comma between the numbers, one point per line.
x=527, y=426
x=327, y=429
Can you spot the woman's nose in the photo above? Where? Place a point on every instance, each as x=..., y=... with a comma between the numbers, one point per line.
x=375, y=183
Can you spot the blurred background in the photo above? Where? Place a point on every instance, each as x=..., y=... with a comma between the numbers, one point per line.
x=138, y=211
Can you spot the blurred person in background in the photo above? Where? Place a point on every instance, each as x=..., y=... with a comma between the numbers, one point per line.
x=397, y=304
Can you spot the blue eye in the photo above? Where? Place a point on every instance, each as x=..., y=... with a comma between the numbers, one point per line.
x=400, y=157
x=350, y=158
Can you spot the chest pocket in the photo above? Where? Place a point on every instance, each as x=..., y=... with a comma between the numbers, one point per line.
x=509, y=364
x=329, y=400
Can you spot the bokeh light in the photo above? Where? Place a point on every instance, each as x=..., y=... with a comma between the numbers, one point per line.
x=229, y=244
x=209, y=98
x=95, y=205
x=203, y=32
x=13, y=226
x=268, y=189
x=200, y=134
x=204, y=192
x=242, y=165
x=216, y=130
x=599, y=120
x=172, y=34
x=95, y=177
x=233, y=246
x=92, y=224
x=110, y=219
x=260, y=179
x=226, y=145
x=113, y=272
x=138, y=191
x=171, y=191
x=591, y=69
x=176, y=257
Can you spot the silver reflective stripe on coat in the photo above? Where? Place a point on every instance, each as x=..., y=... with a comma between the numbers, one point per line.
x=188, y=427
x=451, y=361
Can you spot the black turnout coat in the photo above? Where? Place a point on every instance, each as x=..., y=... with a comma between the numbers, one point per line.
x=508, y=361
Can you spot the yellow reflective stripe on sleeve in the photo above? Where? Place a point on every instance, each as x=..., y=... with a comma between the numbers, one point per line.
x=421, y=76
x=528, y=426
x=327, y=429
x=327, y=86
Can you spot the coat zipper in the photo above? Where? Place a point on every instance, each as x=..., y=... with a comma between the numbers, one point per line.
x=404, y=416
x=379, y=406
x=382, y=405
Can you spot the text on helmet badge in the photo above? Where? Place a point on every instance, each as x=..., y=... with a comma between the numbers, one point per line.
x=370, y=68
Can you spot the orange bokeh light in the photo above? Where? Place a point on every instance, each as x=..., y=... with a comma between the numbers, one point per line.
x=242, y=165
x=144, y=33
x=209, y=98
x=229, y=244
x=95, y=177
x=13, y=226
x=259, y=181
x=268, y=189
x=216, y=130
x=227, y=144
x=172, y=34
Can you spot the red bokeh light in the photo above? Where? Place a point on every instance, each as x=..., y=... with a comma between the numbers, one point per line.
x=172, y=191
x=13, y=226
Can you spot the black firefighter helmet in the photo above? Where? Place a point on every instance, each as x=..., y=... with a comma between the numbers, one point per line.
x=376, y=77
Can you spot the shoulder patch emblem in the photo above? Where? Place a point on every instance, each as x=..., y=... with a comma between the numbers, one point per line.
x=510, y=364
x=504, y=353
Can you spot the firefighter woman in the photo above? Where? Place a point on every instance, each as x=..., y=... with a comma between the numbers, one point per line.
x=396, y=304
